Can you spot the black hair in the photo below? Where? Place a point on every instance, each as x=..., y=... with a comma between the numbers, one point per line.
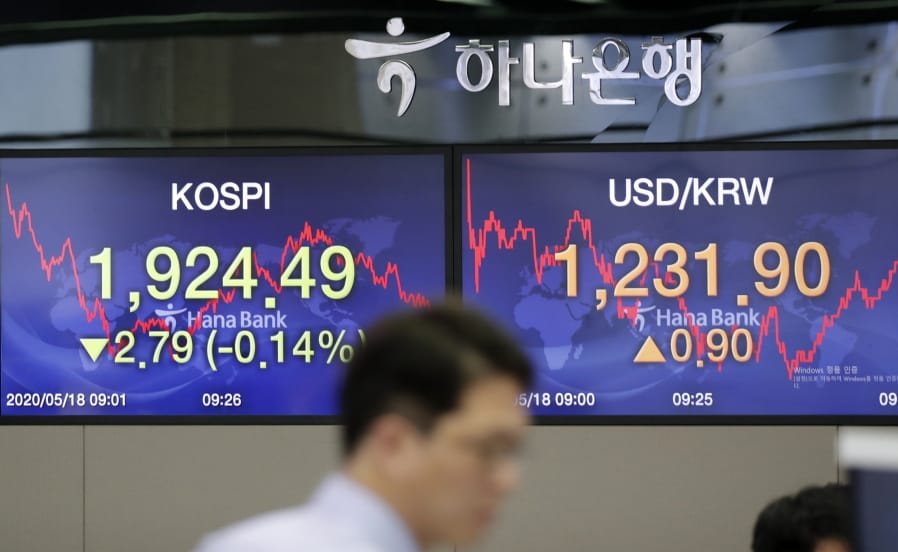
x=796, y=523
x=418, y=363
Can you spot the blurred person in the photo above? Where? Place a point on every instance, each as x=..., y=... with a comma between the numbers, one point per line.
x=816, y=519
x=431, y=428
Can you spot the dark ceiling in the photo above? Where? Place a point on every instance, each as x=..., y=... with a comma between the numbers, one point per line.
x=51, y=20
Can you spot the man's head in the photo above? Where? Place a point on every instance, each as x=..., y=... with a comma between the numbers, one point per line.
x=816, y=519
x=431, y=420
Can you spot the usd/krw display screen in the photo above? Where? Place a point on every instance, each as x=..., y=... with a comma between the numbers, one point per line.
x=685, y=283
x=210, y=284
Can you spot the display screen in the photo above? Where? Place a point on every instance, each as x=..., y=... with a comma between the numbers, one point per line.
x=215, y=283
x=875, y=500
x=690, y=282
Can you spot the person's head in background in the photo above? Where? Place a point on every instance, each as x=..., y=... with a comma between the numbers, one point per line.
x=816, y=519
x=431, y=420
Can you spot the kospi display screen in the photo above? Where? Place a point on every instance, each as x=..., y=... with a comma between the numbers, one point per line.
x=207, y=283
x=691, y=282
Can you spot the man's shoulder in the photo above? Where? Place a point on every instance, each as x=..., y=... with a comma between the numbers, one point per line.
x=257, y=531
x=294, y=529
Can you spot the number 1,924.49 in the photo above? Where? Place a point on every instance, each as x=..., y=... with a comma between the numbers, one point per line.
x=164, y=266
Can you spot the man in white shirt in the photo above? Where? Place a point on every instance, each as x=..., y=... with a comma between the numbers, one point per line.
x=431, y=428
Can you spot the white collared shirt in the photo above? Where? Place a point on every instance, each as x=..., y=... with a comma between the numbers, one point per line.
x=342, y=516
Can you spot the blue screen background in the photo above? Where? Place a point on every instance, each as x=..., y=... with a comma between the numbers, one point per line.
x=843, y=199
x=389, y=208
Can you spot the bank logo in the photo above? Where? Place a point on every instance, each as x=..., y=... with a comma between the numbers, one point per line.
x=678, y=64
x=364, y=49
x=168, y=316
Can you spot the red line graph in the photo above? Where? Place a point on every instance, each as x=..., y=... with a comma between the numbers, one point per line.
x=93, y=308
x=543, y=256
